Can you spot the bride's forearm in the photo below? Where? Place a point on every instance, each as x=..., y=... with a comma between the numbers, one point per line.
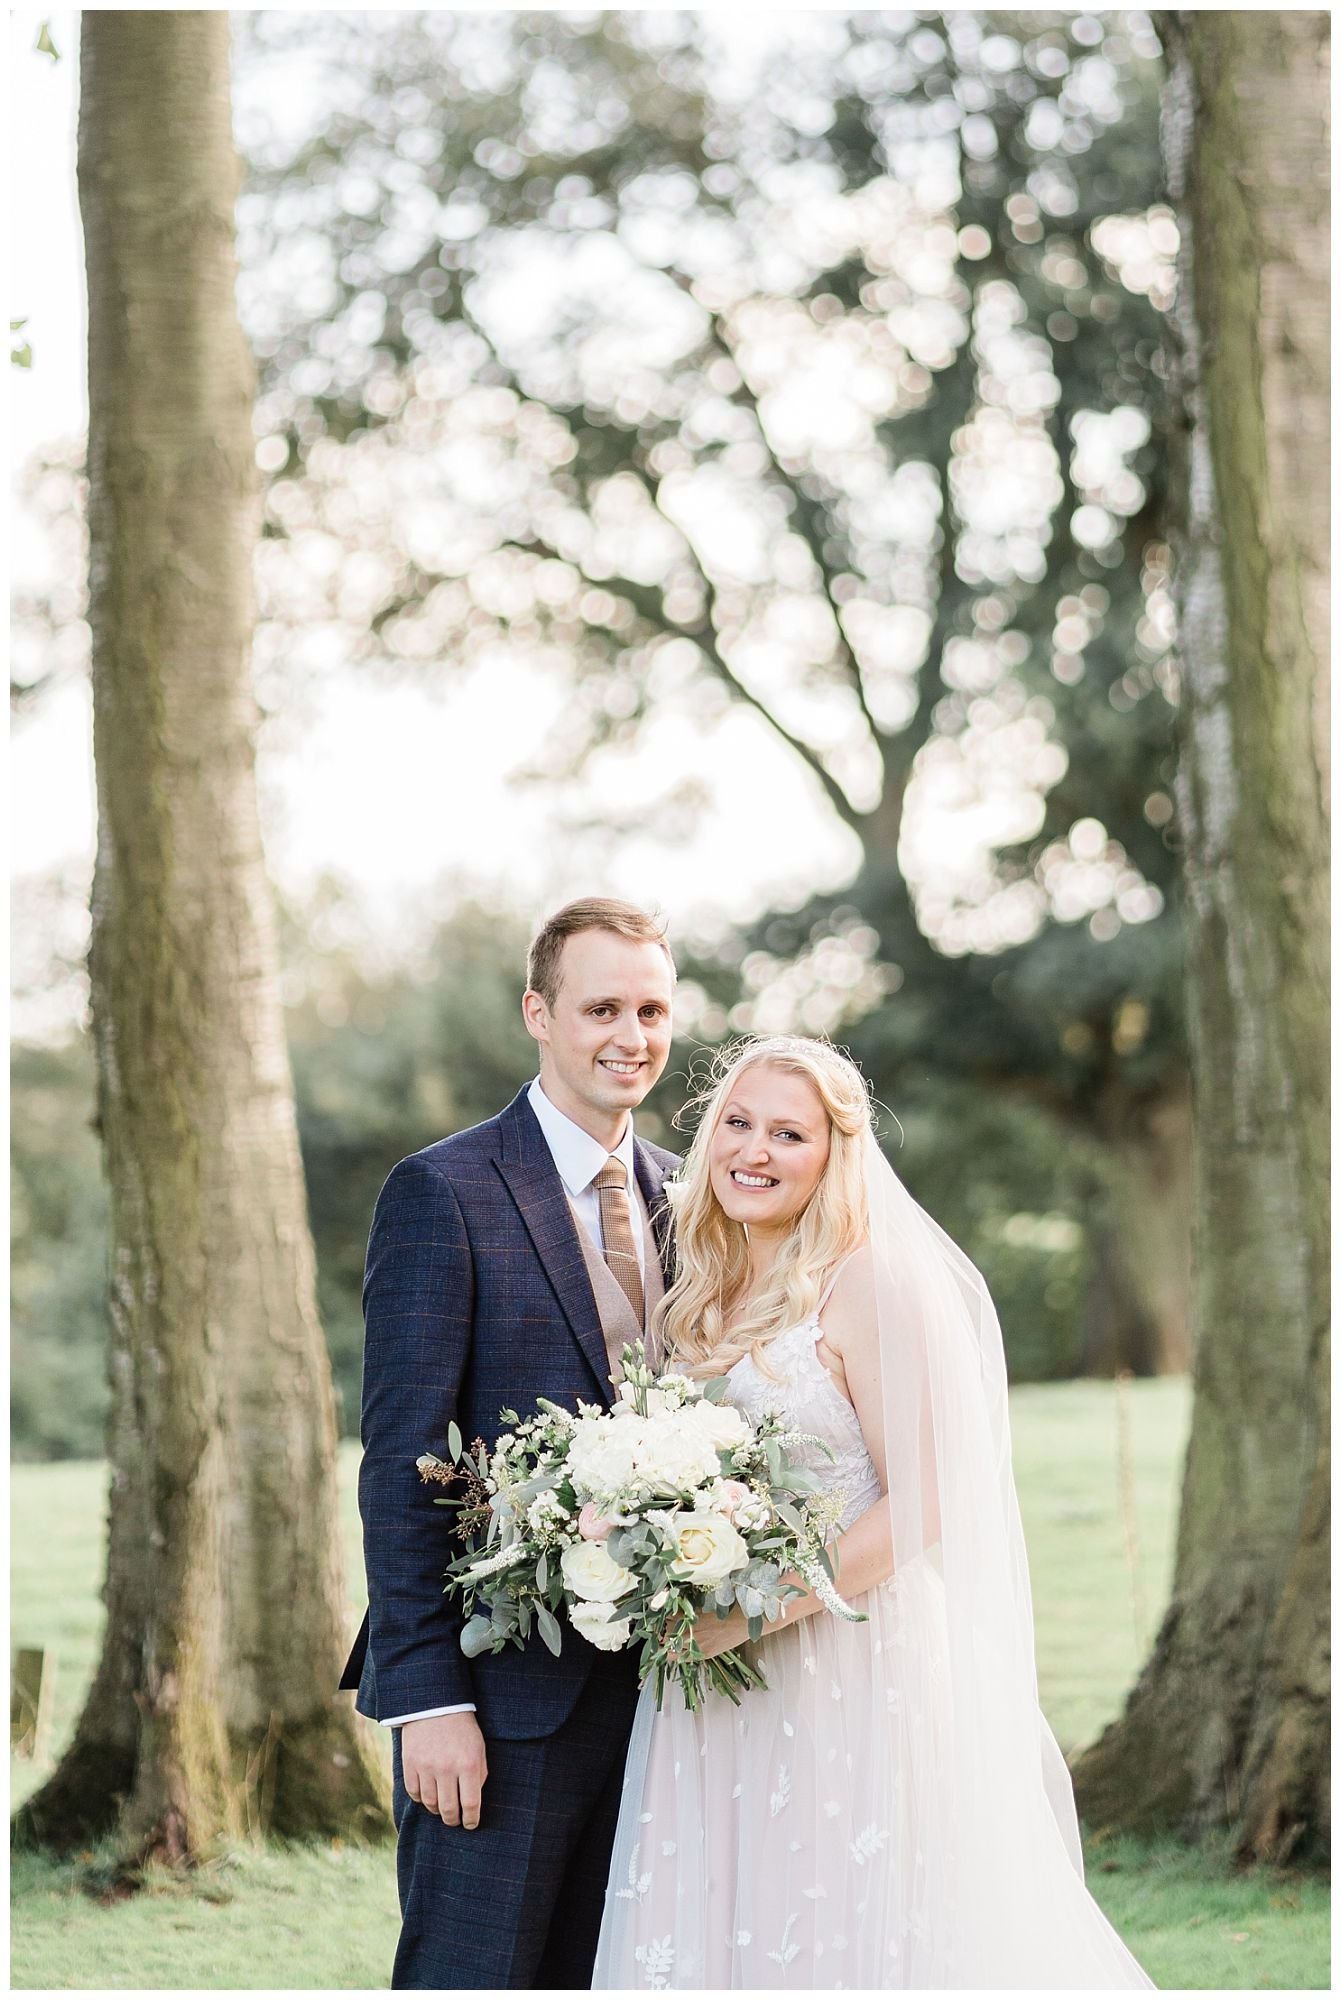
x=862, y=1557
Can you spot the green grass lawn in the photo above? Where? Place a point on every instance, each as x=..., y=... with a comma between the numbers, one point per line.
x=325, y=1916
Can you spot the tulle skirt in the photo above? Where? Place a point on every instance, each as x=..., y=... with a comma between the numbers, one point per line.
x=809, y=1838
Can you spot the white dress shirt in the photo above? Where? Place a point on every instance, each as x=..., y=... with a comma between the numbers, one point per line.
x=579, y=1158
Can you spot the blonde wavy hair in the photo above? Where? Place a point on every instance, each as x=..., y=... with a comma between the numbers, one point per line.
x=712, y=1253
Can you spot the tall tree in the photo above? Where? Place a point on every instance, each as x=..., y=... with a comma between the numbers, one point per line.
x=1228, y=1724
x=962, y=211
x=214, y=1707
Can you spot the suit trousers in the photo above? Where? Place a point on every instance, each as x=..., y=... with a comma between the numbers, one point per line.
x=517, y=1901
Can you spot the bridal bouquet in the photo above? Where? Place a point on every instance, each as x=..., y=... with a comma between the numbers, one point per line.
x=640, y=1520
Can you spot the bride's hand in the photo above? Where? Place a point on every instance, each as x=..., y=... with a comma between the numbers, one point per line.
x=715, y=1635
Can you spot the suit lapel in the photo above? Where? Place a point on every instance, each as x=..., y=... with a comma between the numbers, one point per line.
x=527, y=1165
x=651, y=1179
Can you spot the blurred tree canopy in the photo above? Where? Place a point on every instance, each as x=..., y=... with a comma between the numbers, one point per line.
x=817, y=376
x=820, y=379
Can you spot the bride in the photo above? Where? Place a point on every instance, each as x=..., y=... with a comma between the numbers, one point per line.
x=893, y=1811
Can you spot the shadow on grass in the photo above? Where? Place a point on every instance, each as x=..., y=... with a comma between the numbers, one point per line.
x=290, y=1918
x=279, y=1917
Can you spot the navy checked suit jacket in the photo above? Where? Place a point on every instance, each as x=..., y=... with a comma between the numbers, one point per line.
x=476, y=1299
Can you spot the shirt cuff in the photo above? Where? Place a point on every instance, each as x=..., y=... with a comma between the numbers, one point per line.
x=422, y=1714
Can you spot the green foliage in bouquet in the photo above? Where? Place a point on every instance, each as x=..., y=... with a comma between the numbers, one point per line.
x=638, y=1521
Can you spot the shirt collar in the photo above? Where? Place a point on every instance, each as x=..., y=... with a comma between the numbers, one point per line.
x=578, y=1157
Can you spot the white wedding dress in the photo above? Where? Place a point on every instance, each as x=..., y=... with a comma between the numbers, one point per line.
x=798, y=1840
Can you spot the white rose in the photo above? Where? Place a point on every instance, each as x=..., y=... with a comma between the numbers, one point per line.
x=723, y=1426
x=675, y=1455
x=590, y=1572
x=598, y=1623
x=708, y=1549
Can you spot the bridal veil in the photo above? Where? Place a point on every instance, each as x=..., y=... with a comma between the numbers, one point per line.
x=989, y=1875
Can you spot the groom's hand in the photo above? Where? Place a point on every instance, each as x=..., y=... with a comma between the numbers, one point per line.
x=444, y=1767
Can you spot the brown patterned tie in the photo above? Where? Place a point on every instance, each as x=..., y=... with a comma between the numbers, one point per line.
x=621, y=1257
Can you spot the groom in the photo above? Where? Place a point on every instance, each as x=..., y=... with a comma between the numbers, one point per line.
x=509, y=1262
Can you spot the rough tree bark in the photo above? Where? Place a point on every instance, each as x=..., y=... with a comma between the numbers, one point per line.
x=1228, y=1725
x=214, y=1710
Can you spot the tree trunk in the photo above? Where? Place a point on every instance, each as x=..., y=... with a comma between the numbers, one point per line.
x=1137, y=1312
x=214, y=1710
x=1228, y=1724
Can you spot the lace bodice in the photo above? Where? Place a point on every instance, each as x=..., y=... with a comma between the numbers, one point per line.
x=809, y=1399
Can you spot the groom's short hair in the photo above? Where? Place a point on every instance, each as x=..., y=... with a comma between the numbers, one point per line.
x=589, y=913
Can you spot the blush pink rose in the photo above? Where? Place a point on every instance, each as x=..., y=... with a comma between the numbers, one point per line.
x=592, y=1524
x=734, y=1493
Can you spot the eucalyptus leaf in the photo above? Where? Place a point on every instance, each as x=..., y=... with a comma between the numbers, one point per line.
x=477, y=1637
x=454, y=1442
x=549, y=1629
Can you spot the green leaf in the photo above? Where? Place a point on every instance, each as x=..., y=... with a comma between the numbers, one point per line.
x=542, y=1573
x=454, y=1442
x=715, y=1388
x=44, y=46
x=477, y=1637
x=549, y=1629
